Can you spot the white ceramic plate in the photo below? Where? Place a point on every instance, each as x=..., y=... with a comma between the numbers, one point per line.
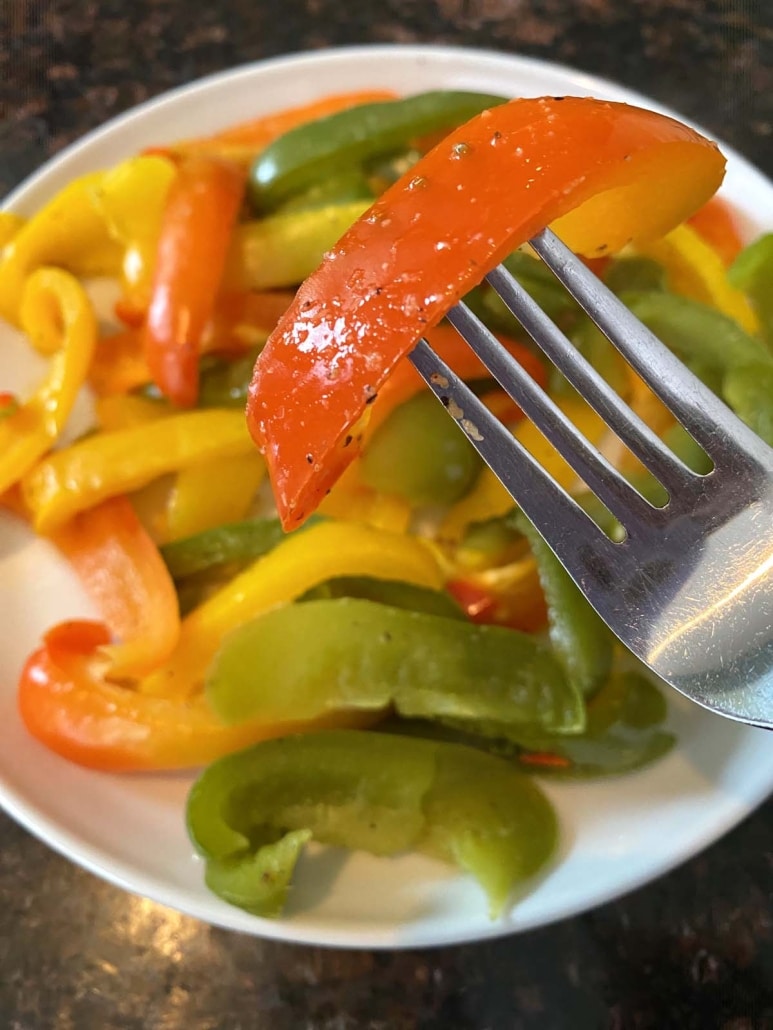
x=616, y=835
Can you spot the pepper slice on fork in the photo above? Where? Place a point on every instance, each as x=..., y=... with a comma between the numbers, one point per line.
x=603, y=174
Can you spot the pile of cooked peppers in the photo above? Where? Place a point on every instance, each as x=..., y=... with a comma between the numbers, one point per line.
x=387, y=672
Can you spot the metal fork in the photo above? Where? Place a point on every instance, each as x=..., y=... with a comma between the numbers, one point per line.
x=690, y=587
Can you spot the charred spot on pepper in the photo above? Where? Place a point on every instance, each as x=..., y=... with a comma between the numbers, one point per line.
x=348, y=439
x=310, y=459
x=370, y=394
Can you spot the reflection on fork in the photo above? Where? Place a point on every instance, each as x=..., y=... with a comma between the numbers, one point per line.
x=689, y=589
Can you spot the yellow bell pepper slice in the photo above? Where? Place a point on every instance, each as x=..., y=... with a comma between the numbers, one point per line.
x=131, y=198
x=58, y=317
x=107, y=464
x=298, y=563
x=123, y=411
x=10, y=224
x=695, y=269
x=211, y=493
x=352, y=501
x=68, y=232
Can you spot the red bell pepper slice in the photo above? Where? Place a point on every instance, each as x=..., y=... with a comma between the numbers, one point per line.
x=124, y=573
x=199, y=216
x=602, y=173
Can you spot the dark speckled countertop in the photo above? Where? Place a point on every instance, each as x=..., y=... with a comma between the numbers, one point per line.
x=693, y=951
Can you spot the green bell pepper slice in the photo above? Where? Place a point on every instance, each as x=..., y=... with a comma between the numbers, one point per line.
x=250, y=814
x=392, y=592
x=582, y=642
x=284, y=249
x=732, y=363
x=752, y=272
x=235, y=542
x=323, y=148
x=349, y=185
x=696, y=332
x=625, y=732
x=303, y=660
x=729, y=360
x=749, y=392
x=223, y=382
x=419, y=454
x=640, y=274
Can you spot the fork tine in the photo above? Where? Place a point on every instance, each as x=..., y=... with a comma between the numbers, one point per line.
x=628, y=506
x=698, y=409
x=534, y=489
x=633, y=432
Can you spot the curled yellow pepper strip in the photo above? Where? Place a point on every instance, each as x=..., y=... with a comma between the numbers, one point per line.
x=195, y=506
x=489, y=498
x=107, y=464
x=69, y=232
x=59, y=320
x=695, y=269
x=299, y=562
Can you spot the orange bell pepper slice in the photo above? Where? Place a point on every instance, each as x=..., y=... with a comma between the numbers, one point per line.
x=200, y=213
x=716, y=223
x=239, y=320
x=602, y=173
x=245, y=318
x=124, y=573
x=119, y=364
x=67, y=704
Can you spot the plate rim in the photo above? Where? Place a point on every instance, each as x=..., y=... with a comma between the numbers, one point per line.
x=120, y=873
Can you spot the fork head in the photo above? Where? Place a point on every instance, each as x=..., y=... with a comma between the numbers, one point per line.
x=689, y=589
